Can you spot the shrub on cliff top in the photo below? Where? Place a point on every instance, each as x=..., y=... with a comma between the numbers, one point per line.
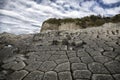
x=86, y=21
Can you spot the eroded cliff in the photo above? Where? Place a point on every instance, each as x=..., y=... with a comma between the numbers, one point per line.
x=77, y=23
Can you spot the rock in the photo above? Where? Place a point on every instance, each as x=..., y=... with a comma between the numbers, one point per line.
x=63, y=57
x=65, y=76
x=63, y=67
x=79, y=43
x=97, y=68
x=3, y=74
x=102, y=77
x=71, y=54
x=82, y=53
x=17, y=75
x=60, y=61
x=79, y=66
x=18, y=66
x=9, y=65
x=51, y=75
x=110, y=54
x=35, y=75
x=82, y=79
x=102, y=59
x=113, y=67
x=118, y=58
x=75, y=60
x=33, y=66
x=117, y=76
x=47, y=66
x=5, y=53
x=54, y=57
x=95, y=53
x=82, y=74
x=87, y=60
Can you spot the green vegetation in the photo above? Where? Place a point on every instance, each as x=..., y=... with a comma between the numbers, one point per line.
x=87, y=21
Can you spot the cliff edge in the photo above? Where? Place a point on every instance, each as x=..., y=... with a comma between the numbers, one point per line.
x=77, y=23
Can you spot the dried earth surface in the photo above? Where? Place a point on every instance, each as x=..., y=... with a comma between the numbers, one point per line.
x=87, y=54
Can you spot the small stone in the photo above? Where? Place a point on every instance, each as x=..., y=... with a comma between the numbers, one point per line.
x=102, y=77
x=87, y=60
x=63, y=57
x=11, y=59
x=97, y=68
x=65, y=76
x=54, y=57
x=82, y=79
x=29, y=61
x=36, y=75
x=110, y=54
x=33, y=66
x=64, y=47
x=60, y=53
x=95, y=53
x=108, y=48
x=63, y=67
x=17, y=75
x=82, y=74
x=2, y=75
x=79, y=43
x=117, y=76
x=42, y=57
x=74, y=60
x=82, y=53
x=99, y=49
x=9, y=65
x=71, y=54
x=102, y=59
x=55, y=47
x=51, y=75
x=18, y=66
x=79, y=66
x=60, y=61
x=118, y=58
x=9, y=46
x=113, y=66
x=47, y=66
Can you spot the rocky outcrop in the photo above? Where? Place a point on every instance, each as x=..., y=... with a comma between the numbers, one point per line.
x=71, y=24
x=63, y=26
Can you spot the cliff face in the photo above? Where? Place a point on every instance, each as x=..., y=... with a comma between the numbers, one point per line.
x=70, y=26
x=49, y=26
x=78, y=23
x=63, y=26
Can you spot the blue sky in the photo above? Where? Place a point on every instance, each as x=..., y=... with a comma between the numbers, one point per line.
x=26, y=16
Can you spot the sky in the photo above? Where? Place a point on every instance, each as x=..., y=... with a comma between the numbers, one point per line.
x=27, y=16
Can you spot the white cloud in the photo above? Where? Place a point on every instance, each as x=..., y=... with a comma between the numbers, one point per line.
x=110, y=1
x=16, y=15
x=99, y=10
x=26, y=16
x=113, y=11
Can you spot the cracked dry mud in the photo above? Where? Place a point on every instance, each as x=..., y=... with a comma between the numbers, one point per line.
x=90, y=54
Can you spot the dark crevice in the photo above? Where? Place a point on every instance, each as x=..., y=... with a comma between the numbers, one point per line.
x=71, y=71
